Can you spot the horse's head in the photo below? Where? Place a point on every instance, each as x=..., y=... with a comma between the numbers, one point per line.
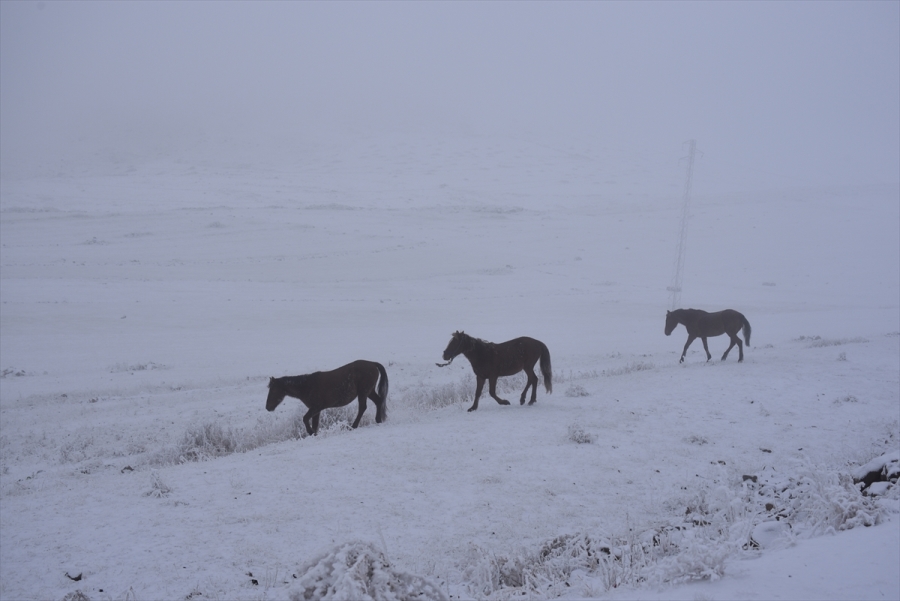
x=671, y=321
x=460, y=342
x=276, y=394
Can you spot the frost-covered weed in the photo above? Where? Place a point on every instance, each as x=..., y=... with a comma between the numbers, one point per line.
x=563, y=377
x=846, y=399
x=630, y=368
x=716, y=523
x=438, y=397
x=596, y=562
x=576, y=390
x=454, y=393
x=158, y=488
x=823, y=342
x=202, y=442
x=358, y=570
x=128, y=367
x=579, y=435
x=207, y=441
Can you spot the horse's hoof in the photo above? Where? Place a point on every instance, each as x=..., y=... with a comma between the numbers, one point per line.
x=504, y=402
x=471, y=409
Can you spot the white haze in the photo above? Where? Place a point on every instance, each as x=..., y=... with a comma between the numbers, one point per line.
x=777, y=94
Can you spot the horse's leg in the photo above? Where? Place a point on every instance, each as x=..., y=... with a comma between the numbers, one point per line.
x=690, y=339
x=479, y=386
x=362, y=409
x=734, y=340
x=533, y=382
x=493, y=391
x=315, y=421
x=379, y=406
x=528, y=373
x=740, y=348
x=308, y=423
x=706, y=348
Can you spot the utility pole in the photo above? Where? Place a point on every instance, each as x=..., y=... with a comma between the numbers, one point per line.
x=675, y=288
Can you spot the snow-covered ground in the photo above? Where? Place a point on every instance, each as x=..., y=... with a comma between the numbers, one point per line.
x=145, y=305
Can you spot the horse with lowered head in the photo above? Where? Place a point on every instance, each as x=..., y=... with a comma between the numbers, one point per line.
x=330, y=389
x=701, y=324
x=491, y=361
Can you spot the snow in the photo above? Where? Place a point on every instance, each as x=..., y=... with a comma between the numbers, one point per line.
x=143, y=311
x=196, y=197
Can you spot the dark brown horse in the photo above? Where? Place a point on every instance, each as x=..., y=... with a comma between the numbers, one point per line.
x=701, y=324
x=330, y=389
x=491, y=361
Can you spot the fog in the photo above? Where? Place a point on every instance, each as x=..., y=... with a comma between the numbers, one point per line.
x=785, y=93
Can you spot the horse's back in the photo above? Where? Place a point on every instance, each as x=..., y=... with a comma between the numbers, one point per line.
x=727, y=321
x=514, y=354
x=731, y=314
x=523, y=344
x=362, y=371
x=344, y=383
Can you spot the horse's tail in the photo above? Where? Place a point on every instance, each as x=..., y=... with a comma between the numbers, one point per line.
x=383, y=390
x=545, y=369
x=746, y=330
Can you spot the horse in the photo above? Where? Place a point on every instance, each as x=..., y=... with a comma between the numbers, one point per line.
x=336, y=388
x=491, y=361
x=701, y=324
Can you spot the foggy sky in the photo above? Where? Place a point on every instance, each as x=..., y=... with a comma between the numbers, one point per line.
x=811, y=89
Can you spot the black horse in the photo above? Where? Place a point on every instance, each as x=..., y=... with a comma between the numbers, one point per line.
x=336, y=388
x=491, y=361
x=701, y=324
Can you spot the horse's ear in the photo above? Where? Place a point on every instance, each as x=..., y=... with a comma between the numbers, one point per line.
x=271, y=381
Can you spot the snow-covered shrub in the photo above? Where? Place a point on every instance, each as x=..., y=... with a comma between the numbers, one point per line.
x=359, y=571
x=76, y=448
x=717, y=521
x=813, y=502
x=576, y=390
x=206, y=441
x=656, y=556
x=579, y=435
x=158, y=488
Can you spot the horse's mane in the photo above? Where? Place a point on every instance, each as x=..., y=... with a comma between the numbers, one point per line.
x=473, y=339
x=286, y=380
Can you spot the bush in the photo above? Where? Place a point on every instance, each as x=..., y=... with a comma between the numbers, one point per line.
x=158, y=488
x=357, y=570
x=717, y=523
x=576, y=390
x=579, y=435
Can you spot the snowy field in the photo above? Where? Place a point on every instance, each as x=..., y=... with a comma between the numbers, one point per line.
x=145, y=305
